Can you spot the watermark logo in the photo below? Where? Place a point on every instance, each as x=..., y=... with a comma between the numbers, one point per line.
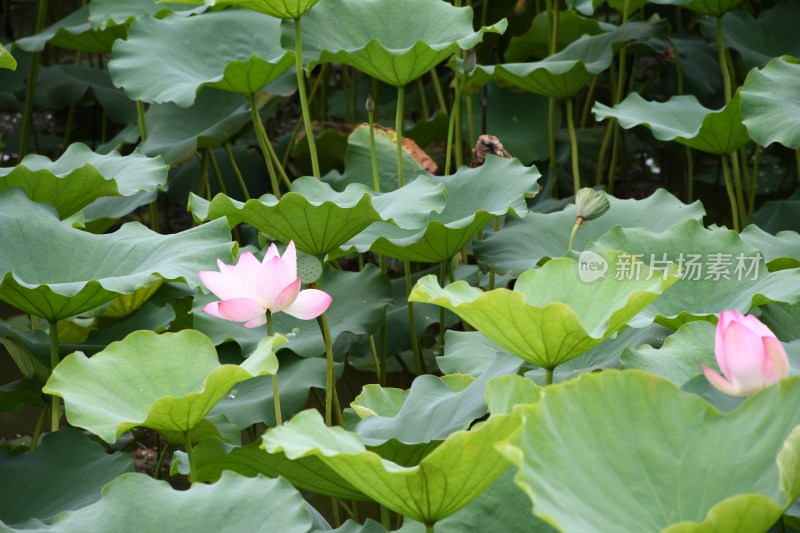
x=591, y=266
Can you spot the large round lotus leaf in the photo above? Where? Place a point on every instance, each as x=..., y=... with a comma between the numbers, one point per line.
x=682, y=119
x=551, y=316
x=536, y=42
x=521, y=245
x=395, y=42
x=629, y=452
x=683, y=352
x=165, y=382
x=430, y=410
x=70, y=271
x=444, y=481
x=176, y=133
x=772, y=34
x=169, y=60
x=564, y=73
x=474, y=197
x=769, y=103
x=288, y=9
x=105, y=13
x=212, y=457
x=781, y=251
x=359, y=303
x=60, y=86
x=779, y=215
x=471, y=353
x=67, y=472
x=319, y=219
x=719, y=271
x=135, y=502
x=80, y=176
x=74, y=33
x=6, y=59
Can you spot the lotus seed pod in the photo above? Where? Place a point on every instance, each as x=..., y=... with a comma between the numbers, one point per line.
x=591, y=204
x=309, y=268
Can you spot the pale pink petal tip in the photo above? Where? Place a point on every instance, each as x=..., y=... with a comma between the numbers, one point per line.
x=720, y=383
x=309, y=304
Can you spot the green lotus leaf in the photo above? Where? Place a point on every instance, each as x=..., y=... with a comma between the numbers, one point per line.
x=781, y=251
x=501, y=507
x=73, y=32
x=358, y=307
x=506, y=392
x=447, y=479
x=165, y=382
x=60, y=86
x=769, y=106
x=779, y=215
x=431, y=410
x=783, y=319
x=759, y=39
x=319, y=219
x=136, y=501
x=358, y=161
x=175, y=133
x=71, y=272
x=80, y=176
x=106, y=13
x=213, y=457
x=242, y=59
x=711, y=8
x=640, y=453
x=7, y=61
x=474, y=197
x=684, y=120
x=67, y=472
x=719, y=271
x=512, y=250
x=287, y=9
x=365, y=34
x=564, y=73
x=471, y=353
x=535, y=41
x=551, y=316
x=682, y=353
x=15, y=395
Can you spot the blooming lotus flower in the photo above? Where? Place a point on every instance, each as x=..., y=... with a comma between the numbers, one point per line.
x=749, y=355
x=250, y=288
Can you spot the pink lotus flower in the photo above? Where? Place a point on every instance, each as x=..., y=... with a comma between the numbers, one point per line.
x=749, y=355
x=250, y=288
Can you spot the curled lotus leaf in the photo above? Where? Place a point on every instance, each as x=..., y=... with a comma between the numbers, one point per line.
x=285, y=9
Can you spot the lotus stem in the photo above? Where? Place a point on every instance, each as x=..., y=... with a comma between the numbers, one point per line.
x=373, y=154
x=573, y=141
x=429, y=527
x=437, y=88
x=55, y=401
x=548, y=376
x=187, y=444
x=385, y=521
x=140, y=119
x=423, y=99
x=450, y=129
x=279, y=166
x=263, y=143
x=296, y=128
x=731, y=194
x=157, y=473
x=442, y=274
x=737, y=188
x=398, y=127
x=374, y=352
x=301, y=90
x=217, y=171
x=37, y=430
x=754, y=179
x=690, y=174
x=329, y=376
x=236, y=171
x=574, y=232
x=276, y=395
x=723, y=63
x=30, y=91
x=419, y=362
x=551, y=140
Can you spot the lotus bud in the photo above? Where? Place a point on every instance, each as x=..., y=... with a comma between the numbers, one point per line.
x=591, y=204
x=370, y=104
x=748, y=354
x=469, y=62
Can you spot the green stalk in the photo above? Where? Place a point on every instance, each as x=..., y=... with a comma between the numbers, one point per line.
x=470, y=123
x=620, y=89
x=263, y=143
x=437, y=88
x=428, y=528
x=574, y=232
x=217, y=171
x=690, y=177
x=754, y=180
x=551, y=140
x=419, y=362
x=373, y=154
x=236, y=171
x=37, y=430
x=450, y=129
x=374, y=352
x=329, y=376
x=187, y=444
x=30, y=91
x=157, y=473
x=55, y=401
x=301, y=89
x=385, y=517
x=601, y=159
x=276, y=396
x=723, y=63
x=548, y=376
x=398, y=127
x=279, y=166
x=442, y=274
x=731, y=194
x=588, y=102
x=296, y=129
x=459, y=142
x=423, y=99
x=140, y=119
x=573, y=141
